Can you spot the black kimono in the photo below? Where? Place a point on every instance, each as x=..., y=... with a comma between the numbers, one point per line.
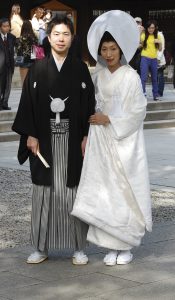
x=33, y=115
x=54, y=189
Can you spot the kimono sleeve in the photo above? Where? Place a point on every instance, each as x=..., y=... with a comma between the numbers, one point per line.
x=24, y=123
x=88, y=98
x=131, y=119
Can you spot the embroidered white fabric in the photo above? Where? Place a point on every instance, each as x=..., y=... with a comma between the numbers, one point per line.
x=114, y=193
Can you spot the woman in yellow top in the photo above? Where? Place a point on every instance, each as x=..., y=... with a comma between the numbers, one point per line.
x=151, y=43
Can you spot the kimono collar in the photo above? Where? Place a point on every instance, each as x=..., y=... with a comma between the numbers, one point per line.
x=59, y=65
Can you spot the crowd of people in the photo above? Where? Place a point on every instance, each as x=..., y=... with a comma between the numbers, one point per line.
x=22, y=41
x=30, y=36
x=83, y=135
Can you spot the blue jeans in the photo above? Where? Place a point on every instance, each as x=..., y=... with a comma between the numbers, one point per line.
x=146, y=65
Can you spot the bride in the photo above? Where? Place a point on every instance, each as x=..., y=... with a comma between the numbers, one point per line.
x=113, y=196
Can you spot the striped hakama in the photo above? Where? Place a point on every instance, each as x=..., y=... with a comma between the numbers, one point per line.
x=52, y=226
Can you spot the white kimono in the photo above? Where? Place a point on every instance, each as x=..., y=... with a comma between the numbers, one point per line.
x=113, y=196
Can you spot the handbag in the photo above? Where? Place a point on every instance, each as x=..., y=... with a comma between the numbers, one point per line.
x=19, y=60
x=38, y=52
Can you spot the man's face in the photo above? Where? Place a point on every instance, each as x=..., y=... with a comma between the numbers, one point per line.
x=5, y=27
x=60, y=39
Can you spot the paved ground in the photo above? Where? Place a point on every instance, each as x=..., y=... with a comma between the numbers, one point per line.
x=150, y=276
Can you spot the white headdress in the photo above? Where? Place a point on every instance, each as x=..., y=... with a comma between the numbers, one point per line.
x=121, y=26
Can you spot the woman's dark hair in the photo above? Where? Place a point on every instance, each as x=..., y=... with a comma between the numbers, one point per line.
x=155, y=33
x=60, y=19
x=26, y=29
x=107, y=37
x=48, y=11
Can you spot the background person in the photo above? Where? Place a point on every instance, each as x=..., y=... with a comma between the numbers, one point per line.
x=24, y=47
x=37, y=22
x=43, y=29
x=139, y=23
x=47, y=17
x=151, y=43
x=16, y=20
x=135, y=61
x=7, y=44
x=161, y=66
x=70, y=16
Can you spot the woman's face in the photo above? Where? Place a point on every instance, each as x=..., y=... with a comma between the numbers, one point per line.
x=110, y=51
x=48, y=16
x=151, y=29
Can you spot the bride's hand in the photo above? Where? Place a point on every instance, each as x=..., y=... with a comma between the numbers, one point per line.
x=99, y=119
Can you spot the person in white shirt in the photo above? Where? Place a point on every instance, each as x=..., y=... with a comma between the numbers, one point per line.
x=135, y=62
x=37, y=21
x=161, y=66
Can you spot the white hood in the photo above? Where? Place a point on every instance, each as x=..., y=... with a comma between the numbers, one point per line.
x=121, y=26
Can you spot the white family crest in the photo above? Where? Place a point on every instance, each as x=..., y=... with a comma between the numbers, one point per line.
x=83, y=84
x=57, y=105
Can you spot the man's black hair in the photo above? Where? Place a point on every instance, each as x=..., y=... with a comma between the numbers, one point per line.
x=4, y=20
x=60, y=19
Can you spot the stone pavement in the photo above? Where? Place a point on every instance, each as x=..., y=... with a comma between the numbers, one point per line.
x=151, y=275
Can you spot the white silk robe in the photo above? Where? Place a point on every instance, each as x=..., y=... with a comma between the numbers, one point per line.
x=113, y=196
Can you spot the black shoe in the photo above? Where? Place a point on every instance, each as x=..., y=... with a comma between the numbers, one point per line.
x=6, y=108
x=156, y=99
